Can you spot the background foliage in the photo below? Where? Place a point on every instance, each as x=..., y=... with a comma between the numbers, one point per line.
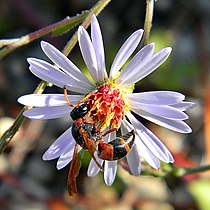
x=27, y=182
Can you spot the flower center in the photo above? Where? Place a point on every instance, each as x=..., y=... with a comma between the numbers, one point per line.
x=107, y=106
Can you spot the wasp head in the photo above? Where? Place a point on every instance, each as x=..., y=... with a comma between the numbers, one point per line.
x=79, y=111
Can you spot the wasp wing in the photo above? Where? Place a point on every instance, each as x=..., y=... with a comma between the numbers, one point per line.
x=73, y=173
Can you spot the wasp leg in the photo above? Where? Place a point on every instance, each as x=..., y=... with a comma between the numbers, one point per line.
x=87, y=121
x=66, y=96
x=117, y=148
x=73, y=173
x=109, y=131
x=91, y=146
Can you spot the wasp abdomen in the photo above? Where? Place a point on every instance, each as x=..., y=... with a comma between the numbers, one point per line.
x=117, y=148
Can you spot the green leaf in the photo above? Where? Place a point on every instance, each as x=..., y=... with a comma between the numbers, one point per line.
x=65, y=28
x=71, y=24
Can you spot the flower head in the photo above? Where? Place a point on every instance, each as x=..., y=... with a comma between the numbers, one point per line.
x=110, y=99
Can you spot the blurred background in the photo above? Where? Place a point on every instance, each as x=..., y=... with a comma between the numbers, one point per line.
x=27, y=182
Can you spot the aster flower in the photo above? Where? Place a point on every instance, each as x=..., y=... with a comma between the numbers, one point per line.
x=112, y=101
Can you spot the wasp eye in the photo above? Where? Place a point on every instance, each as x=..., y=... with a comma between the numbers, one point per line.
x=79, y=111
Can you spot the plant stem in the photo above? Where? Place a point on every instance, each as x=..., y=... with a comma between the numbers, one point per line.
x=185, y=171
x=96, y=9
x=170, y=170
x=15, y=43
x=148, y=20
x=5, y=42
x=9, y=134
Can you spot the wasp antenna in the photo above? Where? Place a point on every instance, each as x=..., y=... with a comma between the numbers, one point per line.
x=85, y=98
x=66, y=96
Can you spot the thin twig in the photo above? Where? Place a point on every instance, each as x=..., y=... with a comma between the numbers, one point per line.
x=185, y=171
x=170, y=170
x=97, y=8
x=5, y=42
x=16, y=43
x=9, y=134
x=148, y=20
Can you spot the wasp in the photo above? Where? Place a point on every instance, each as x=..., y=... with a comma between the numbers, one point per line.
x=86, y=135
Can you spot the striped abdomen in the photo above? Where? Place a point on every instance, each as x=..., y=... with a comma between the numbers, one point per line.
x=117, y=148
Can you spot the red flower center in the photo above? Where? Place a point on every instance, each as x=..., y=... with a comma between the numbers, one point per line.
x=107, y=107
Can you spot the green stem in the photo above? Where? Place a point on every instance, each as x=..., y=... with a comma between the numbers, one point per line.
x=9, y=134
x=179, y=172
x=5, y=42
x=148, y=20
x=16, y=43
x=96, y=9
x=170, y=170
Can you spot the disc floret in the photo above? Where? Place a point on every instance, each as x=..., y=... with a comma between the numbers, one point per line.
x=107, y=106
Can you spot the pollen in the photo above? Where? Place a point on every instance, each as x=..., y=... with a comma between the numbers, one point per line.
x=107, y=106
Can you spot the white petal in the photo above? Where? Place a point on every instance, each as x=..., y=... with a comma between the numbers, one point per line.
x=155, y=145
x=44, y=113
x=110, y=170
x=98, y=46
x=134, y=161
x=139, y=60
x=65, y=64
x=184, y=106
x=63, y=143
x=126, y=126
x=48, y=100
x=156, y=60
x=133, y=156
x=175, y=125
x=150, y=140
x=157, y=97
x=52, y=74
x=144, y=152
x=163, y=111
x=88, y=53
x=93, y=169
x=125, y=52
x=66, y=157
x=47, y=72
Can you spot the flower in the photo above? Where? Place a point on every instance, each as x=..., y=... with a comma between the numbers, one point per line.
x=111, y=99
